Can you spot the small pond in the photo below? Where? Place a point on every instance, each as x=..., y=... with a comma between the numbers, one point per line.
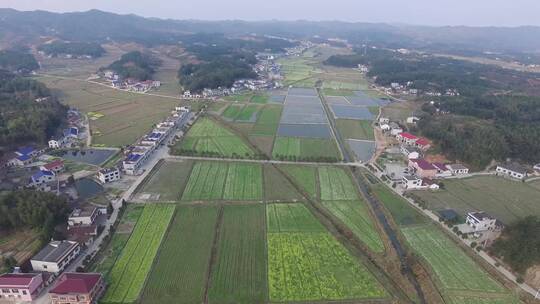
x=87, y=188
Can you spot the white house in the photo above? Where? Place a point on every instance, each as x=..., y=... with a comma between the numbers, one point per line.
x=55, y=256
x=411, y=182
x=411, y=152
x=537, y=167
x=57, y=142
x=83, y=216
x=412, y=119
x=513, y=170
x=442, y=170
x=407, y=138
x=108, y=175
x=385, y=127
x=56, y=166
x=41, y=177
x=395, y=129
x=480, y=221
x=384, y=120
x=457, y=169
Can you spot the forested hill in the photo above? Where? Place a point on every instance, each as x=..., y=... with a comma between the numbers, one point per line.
x=99, y=26
x=72, y=48
x=135, y=65
x=22, y=118
x=16, y=61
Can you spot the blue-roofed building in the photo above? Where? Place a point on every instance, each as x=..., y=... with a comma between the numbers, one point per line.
x=74, y=131
x=30, y=151
x=21, y=160
x=42, y=176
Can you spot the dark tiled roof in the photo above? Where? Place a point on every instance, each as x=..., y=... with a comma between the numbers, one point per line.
x=53, y=251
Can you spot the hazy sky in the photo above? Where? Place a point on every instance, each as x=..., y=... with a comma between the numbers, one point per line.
x=428, y=12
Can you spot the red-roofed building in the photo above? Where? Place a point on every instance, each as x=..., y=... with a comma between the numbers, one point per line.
x=423, y=144
x=20, y=287
x=77, y=288
x=56, y=166
x=423, y=168
x=407, y=138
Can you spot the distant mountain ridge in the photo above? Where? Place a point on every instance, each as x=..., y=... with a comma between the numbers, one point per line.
x=99, y=26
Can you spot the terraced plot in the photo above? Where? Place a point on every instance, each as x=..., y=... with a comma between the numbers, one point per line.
x=207, y=137
x=356, y=216
x=128, y=275
x=239, y=275
x=244, y=182
x=336, y=185
x=180, y=273
x=449, y=263
x=312, y=266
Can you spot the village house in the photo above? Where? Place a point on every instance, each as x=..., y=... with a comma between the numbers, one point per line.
x=411, y=182
x=395, y=129
x=56, y=166
x=84, y=235
x=512, y=170
x=442, y=170
x=407, y=138
x=57, y=142
x=108, y=175
x=384, y=120
x=412, y=119
x=430, y=184
x=55, y=256
x=411, y=152
x=42, y=177
x=537, y=167
x=480, y=221
x=423, y=168
x=77, y=288
x=20, y=160
x=423, y=144
x=20, y=287
x=83, y=216
x=457, y=169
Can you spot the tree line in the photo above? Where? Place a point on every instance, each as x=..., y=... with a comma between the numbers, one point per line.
x=136, y=65
x=17, y=61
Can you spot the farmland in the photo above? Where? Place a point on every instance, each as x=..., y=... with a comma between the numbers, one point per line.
x=449, y=263
x=208, y=137
x=239, y=275
x=355, y=129
x=309, y=266
x=355, y=215
x=305, y=148
x=167, y=181
x=220, y=180
x=296, y=70
x=267, y=122
x=277, y=187
x=121, y=117
x=504, y=199
x=400, y=210
x=128, y=275
x=336, y=185
x=305, y=177
x=182, y=280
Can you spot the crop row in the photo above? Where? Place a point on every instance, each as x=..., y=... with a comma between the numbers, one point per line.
x=206, y=181
x=244, y=182
x=336, y=185
x=129, y=273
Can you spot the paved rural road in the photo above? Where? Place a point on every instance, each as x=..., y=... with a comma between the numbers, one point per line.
x=259, y=161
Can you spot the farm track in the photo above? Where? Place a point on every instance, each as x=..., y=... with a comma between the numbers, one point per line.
x=261, y=161
x=213, y=253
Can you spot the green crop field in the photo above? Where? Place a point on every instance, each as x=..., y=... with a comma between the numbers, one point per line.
x=244, y=182
x=341, y=85
x=504, y=199
x=336, y=184
x=355, y=129
x=268, y=121
x=238, y=97
x=128, y=275
x=208, y=137
x=337, y=92
x=233, y=111
x=168, y=180
x=458, y=299
x=277, y=187
x=451, y=266
x=221, y=180
x=296, y=69
x=309, y=264
x=180, y=273
x=356, y=216
x=247, y=112
x=239, y=275
x=305, y=177
x=260, y=98
x=206, y=181
x=291, y=218
x=401, y=211
x=305, y=148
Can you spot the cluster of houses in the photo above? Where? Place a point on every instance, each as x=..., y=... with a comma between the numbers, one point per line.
x=408, y=88
x=69, y=136
x=299, y=49
x=49, y=264
x=137, y=154
x=130, y=84
x=421, y=174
